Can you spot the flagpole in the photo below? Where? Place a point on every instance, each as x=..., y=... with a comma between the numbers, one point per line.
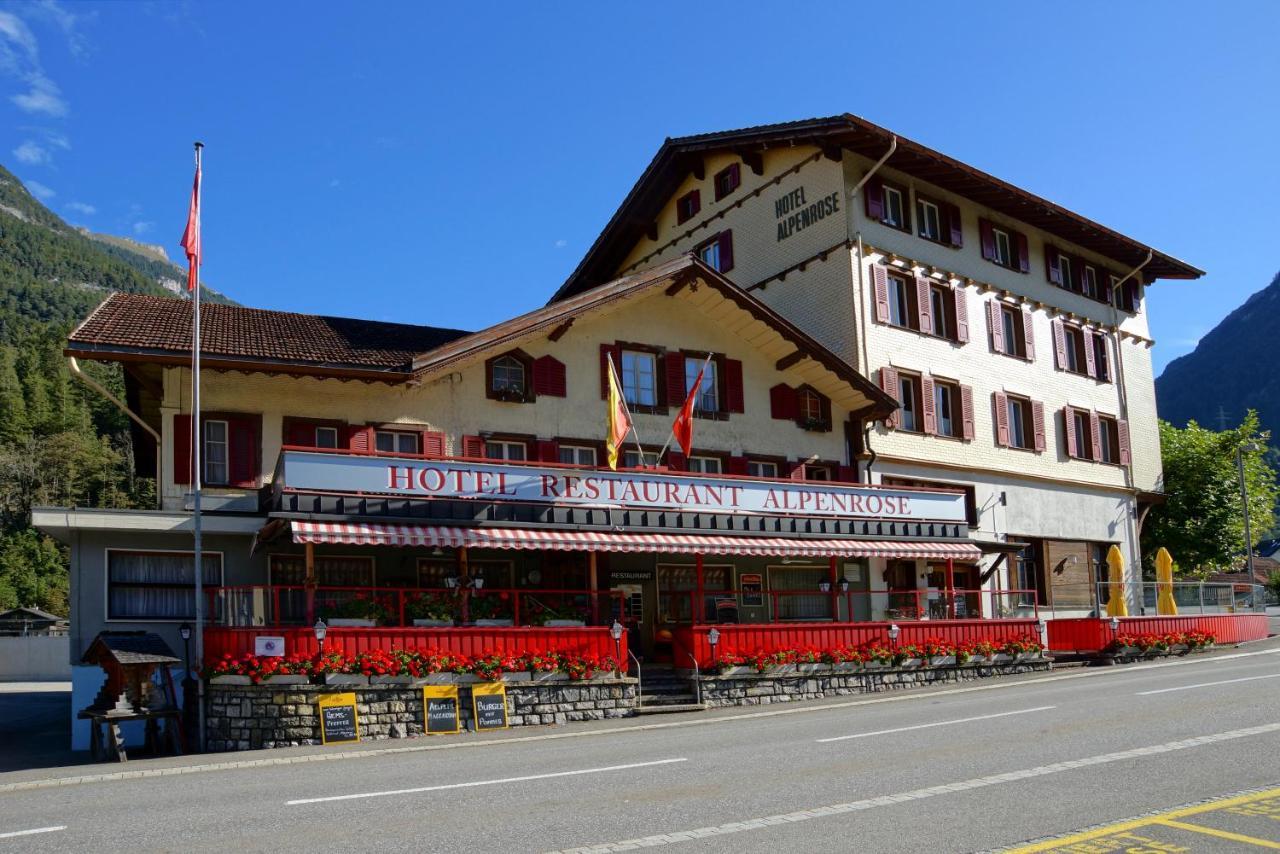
x=672, y=434
x=196, y=434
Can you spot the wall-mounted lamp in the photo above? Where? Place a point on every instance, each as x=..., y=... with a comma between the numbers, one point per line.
x=321, y=629
x=824, y=586
x=713, y=638
x=894, y=631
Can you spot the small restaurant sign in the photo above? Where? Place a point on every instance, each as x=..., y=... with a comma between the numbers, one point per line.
x=440, y=709
x=339, y=719
x=489, y=703
x=450, y=479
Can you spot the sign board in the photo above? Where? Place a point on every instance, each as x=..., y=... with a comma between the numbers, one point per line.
x=268, y=645
x=339, y=720
x=751, y=585
x=489, y=702
x=440, y=709
x=448, y=479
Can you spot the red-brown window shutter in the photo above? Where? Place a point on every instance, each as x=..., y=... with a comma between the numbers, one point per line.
x=1095, y=436
x=725, y=239
x=1059, y=344
x=549, y=376
x=1024, y=255
x=473, y=446
x=677, y=461
x=688, y=205
x=548, y=451
x=243, y=450
x=607, y=351
x=1069, y=431
x=824, y=407
x=432, y=443
x=873, y=193
x=301, y=434
x=1122, y=435
x=1037, y=419
x=360, y=439
x=988, y=239
x=890, y=385
x=927, y=404
x=182, y=449
x=995, y=325
x=924, y=305
x=1002, y=419
x=847, y=474
x=1051, y=269
x=734, y=400
x=782, y=402
x=795, y=470
x=880, y=284
x=1029, y=333
x=961, y=303
x=673, y=365
x=954, y=225
x=735, y=465
x=966, y=413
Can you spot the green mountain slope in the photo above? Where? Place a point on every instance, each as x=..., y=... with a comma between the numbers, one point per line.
x=59, y=442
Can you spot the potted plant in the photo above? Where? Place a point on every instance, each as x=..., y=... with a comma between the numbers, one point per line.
x=565, y=616
x=875, y=656
x=733, y=664
x=490, y=609
x=430, y=610
x=937, y=653
x=1124, y=646
x=908, y=656
x=361, y=611
x=809, y=662
x=544, y=667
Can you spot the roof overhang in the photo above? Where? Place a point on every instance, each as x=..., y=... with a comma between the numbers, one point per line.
x=60, y=522
x=677, y=157
x=212, y=361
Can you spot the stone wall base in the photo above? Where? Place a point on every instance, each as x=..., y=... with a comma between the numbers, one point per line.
x=753, y=690
x=248, y=717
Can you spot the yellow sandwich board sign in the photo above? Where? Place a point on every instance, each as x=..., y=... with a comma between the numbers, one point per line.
x=440, y=709
x=339, y=720
x=489, y=702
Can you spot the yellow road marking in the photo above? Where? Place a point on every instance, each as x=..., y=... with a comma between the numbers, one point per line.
x=1160, y=818
x=1222, y=834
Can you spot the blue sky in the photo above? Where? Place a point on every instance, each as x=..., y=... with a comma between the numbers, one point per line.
x=449, y=165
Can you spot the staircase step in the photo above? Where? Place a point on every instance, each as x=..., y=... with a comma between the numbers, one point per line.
x=665, y=699
x=669, y=709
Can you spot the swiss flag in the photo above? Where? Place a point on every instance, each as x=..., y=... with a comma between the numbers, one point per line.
x=191, y=237
x=682, y=429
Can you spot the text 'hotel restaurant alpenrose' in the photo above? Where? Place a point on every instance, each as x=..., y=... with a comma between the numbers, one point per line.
x=929, y=398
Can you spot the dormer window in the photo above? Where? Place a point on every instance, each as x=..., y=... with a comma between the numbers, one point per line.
x=507, y=377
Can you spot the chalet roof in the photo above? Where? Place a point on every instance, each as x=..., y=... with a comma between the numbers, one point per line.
x=29, y=613
x=678, y=156
x=134, y=327
x=130, y=648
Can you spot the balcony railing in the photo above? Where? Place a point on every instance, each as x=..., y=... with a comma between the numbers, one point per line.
x=850, y=606
x=299, y=605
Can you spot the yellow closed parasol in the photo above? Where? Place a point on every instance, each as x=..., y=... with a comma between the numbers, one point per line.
x=1164, y=583
x=1116, y=606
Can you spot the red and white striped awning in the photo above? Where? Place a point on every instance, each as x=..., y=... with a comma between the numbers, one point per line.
x=368, y=534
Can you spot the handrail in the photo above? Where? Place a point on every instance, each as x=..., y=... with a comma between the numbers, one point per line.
x=697, y=678
x=639, y=677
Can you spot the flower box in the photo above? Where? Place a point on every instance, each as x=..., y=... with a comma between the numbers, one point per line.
x=230, y=680
x=346, y=679
x=971, y=661
x=942, y=661
x=495, y=623
x=433, y=624
x=910, y=663
x=439, y=679
x=564, y=624
x=393, y=680
x=846, y=667
x=287, y=679
x=1028, y=656
x=351, y=623
x=737, y=670
x=517, y=676
x=810, y=669
x=467, y=678
x=1001, y=658
x=873, y=664
x=550, y=676
x=782, y=670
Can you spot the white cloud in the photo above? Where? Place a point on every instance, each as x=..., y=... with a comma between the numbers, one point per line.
x=560, y=244
x=32, y=153
x=68, y=22
x=40, y=191
x=143, y=227
x=44, y=96
x=20, y=59
x=17, y=44
x=81, y=208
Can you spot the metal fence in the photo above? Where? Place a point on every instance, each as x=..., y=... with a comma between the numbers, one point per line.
x=1191, y=597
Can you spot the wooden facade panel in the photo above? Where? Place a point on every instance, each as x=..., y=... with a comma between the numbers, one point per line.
x=1069, y=573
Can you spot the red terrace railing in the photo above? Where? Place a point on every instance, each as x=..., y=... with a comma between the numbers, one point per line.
x=281, y=605
x=467, y=640
x=851, y=606
x=771, y=637
x=1093, y=634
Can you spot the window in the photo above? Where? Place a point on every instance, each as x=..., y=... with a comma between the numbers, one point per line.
x=894, y=207
x=902, y=311
x=326, y=437
x=1003, y=252
x=707, y=400
x=1081, y=434
x=632, y=459
x=810, y=405
x=156, y=585
x=639, y=378
x=687, y=206
x=705, y=465
x=939, y=307
x=499, y=449
x=1020, y=429
x=727, y=180
x=762, y=468
x=1012, y=340
x=1090, y=281
x=930, y=220
x=1073, y=340
x=395, y=442
x=1066, y=279
x=577, y=455
x=216, y=461
x=717, y=252
x=1102, y=367
x=909, y=417
x=507, y=376
x=818, y=472
x=946, y=408
x=1108, y=440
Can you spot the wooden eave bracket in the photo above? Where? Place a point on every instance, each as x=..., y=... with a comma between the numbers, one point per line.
x=793, y=359
x=558, y=333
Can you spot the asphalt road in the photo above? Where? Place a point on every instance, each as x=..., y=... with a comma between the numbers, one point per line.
x=953, y=769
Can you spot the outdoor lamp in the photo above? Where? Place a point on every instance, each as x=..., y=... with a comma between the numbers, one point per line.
x=713, y=638
x=824, y=586
x=894, y=631
x=1043, y=628
x=451, y=581
x=1115, y=625
x=321, y=629
x=477, y=583
x=184, y=631
x=615, y=632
